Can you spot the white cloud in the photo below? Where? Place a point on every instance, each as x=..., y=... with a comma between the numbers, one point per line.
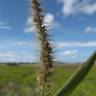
x=22, y=43
x=10, y=56
x=71, y=7
x=76, y=44
x=6, y=54
x=25, y=43
x=68, y=6
x=90, y=29
x=19, y=44
x=4, y=25
x=89, y=8
x=48, y=22
x=26, y=51
x=69, y=52
x=29, y=25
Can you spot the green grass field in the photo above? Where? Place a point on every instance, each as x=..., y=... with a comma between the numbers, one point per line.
x=21, y=80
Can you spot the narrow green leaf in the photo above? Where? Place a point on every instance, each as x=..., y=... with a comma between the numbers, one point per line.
x=73, y=82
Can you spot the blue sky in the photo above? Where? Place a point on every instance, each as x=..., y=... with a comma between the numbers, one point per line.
x=71, y=24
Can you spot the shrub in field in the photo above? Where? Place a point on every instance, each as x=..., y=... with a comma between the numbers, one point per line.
x=12, y=64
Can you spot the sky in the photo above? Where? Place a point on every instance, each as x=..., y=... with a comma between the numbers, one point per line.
x=71, y=26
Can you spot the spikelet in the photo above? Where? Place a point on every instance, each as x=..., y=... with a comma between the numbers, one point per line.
x=46, y=56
